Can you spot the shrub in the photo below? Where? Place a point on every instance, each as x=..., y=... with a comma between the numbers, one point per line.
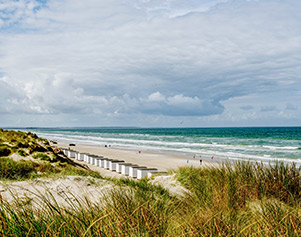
x=21, y=152
x=4, y=151
x=36, y=148
x=22, y=145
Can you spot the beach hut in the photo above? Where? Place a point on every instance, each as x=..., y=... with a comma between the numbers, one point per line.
x=80, y=156
x=107, y=163
x=143, y=172
x=98, y=160
x=102, y=162
x=119, y=166
x=125, y=168
x=87, y=158
x=92, y=159
x=133, y=170
x=65, y=151
x=71, y=154
x=113, y=164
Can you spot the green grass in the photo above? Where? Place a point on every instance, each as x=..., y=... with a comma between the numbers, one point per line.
x=24, y=169
x=245, y=200
x=241, y=200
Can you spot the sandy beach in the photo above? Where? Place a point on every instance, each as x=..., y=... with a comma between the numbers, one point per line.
x=163, y=162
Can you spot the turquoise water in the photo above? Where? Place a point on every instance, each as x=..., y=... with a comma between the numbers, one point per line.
x=255, y=144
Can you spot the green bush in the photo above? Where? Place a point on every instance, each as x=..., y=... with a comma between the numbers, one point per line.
x=36, y=148
x=4, y=151
x=21, y=152
x=22, y=145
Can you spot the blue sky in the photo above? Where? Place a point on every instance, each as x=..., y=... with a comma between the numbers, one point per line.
x=150, y=63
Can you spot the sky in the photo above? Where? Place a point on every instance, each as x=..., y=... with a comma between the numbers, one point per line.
x=150, y=63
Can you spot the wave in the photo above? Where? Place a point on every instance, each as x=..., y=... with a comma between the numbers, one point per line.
x=224, y=148
x=174, y=144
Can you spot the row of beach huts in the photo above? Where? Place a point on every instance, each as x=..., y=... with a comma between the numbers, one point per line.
x=119, y=166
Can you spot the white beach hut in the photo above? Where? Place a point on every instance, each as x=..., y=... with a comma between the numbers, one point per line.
x=65, y=151
x=91, y=159
x=119, y=166
x=107, y=163
x=133, y=170
x=102, y=162
x=142, y=172
x=113, y=164
x=80, y=156
x=87, y=158
x=97, y=160
x=125, y=168
x=71, y=154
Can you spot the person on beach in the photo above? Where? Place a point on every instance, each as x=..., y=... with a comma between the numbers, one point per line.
x=211, y=157
x=201, y=161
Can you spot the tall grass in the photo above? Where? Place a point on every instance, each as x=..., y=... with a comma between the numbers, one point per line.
x=121, y=212
x=240, y=200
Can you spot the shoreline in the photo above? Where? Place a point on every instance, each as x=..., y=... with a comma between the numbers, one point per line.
x=162, y=161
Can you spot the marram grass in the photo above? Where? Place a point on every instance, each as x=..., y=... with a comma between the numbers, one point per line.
x=240, y=200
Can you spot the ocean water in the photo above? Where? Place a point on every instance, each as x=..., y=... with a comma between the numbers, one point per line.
x=223, y=144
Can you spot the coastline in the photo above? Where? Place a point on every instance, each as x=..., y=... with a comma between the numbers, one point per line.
x=162, y=161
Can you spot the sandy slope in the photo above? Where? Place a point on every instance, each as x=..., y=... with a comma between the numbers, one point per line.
x=59, y=189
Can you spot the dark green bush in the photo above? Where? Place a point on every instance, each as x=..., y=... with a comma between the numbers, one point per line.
x=22, y=145
x=21, y=152
x=36, y=148
x=4, y=151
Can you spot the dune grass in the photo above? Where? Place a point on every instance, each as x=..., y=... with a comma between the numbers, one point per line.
x=240, y=200
x=27, y=169
x=244, y=199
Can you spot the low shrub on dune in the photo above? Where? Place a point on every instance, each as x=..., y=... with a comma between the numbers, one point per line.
x=4, y=151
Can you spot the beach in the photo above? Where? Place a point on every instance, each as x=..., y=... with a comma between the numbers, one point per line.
x=223, y=144
x=161, y=161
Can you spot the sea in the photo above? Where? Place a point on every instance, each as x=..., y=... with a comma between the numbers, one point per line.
x=254, y=144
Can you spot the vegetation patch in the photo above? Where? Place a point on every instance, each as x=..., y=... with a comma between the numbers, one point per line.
x=41, y=156
x=244, y=199
x=4, y=151
x=10, y=169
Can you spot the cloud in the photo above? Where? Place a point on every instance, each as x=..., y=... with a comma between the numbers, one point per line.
x=290, y=106
x=171, y=58
x=178, y=105
x=247, y=107
x=268, y=108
